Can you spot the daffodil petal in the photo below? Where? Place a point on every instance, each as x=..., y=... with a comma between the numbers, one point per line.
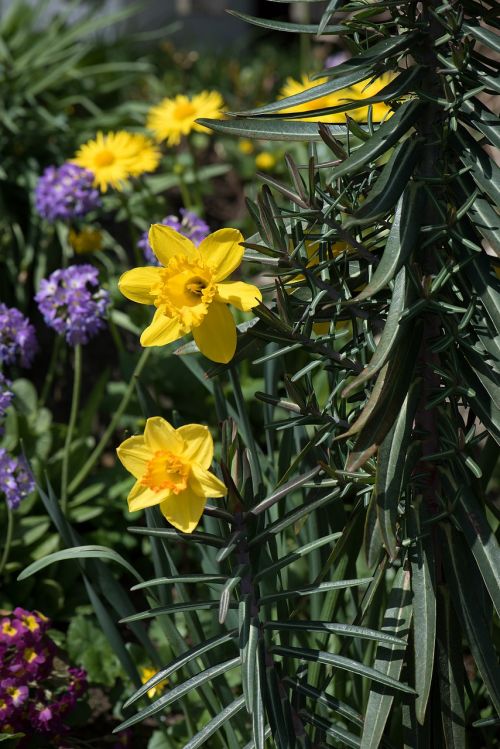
x=184, y=510
x=161, y=331
x=204, y=482
x=160, y=435
x=136, y=284
x=222, y=250
x=242, y=295
x=166, y=242
x=199, y=445
x=141, y=497
x=216, y=336
x=134, y=455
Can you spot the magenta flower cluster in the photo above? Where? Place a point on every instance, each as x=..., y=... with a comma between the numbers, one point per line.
x=66, y=192
x=72, y=303
x=16, y=479
x=18, y=343
x=190, y=225
x=37, y=688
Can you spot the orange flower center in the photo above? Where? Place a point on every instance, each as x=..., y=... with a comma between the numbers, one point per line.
x=185, y=291
x=104, y=158
x=166, y=471
x=184, y=110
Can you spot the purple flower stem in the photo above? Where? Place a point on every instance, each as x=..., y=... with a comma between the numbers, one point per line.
x=75, y=402
x=8, y=538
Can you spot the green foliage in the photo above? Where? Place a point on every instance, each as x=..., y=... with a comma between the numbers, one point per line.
x=88, y=647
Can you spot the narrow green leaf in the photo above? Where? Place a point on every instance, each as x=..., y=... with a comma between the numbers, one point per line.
x=485, y=36
x=332, y=729
x=294, y=28
x=387, y=134
x=225, y=714
x=195, y=537
x=311, y=590
x=282, y=130
x=389, y=660
x=450, y=668
x=469, y=609
x=180, y=579
x=177, y=692
x=320, y=697
x=78, y=552
x=347, y=664
x=298, y=553
x=347, y=630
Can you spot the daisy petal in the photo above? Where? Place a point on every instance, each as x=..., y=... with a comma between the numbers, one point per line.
x=136, y=284
x=166, y=242
x=134, y=455
x=223, y=251
x=184, y=510
x=204, y=482
x=216, y=336
x=161, y=331
x=244, y=296
x=160, y=435
x=199, y=445
x=141, y=497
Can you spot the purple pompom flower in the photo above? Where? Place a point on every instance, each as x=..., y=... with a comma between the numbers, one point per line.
x=16, y=480
x=66, y=192
x=190, y=225
x=72, y=303
x=17, y=337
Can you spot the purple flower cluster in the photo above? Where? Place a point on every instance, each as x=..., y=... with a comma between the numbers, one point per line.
x=16, y=479
x=66, y=192
x=72, y=303
x=37, y=689
x=190, y=225
x=6, y=396
x=18, y=343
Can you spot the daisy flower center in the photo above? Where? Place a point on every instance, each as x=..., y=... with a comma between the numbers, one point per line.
x=166, y=471
x=185, y=290
x=104, y=158
x=183, y=110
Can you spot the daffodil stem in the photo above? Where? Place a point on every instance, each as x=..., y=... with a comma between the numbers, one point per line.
x=198, y=203
x=49, y=379
x=99, y=448
x=8, y=538
x=245, y=421
x=75, y=402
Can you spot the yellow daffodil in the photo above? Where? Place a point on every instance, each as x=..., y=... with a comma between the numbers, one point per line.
x=358, y=91
x=86, y=240
x=172, y=118
x=115, y=157
x=146, y=673
x=187, y=290
x=171, y=470
x=265, y=161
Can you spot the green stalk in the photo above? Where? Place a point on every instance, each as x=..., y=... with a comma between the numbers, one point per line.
x=75, y=402
x=245, y=421
x=8, y=538
x=96, y=453
x=50, y=371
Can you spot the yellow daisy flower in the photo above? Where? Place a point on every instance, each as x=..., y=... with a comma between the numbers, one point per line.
x=361, y=90
x=115, y=157
x=265, y=161
x=172, y=118
x=187, y=291
x=171, y=470
x=146, y=672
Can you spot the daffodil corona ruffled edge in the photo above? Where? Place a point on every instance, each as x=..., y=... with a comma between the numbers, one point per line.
x=171, y=470
x=357, y=92
x=175, y=117
x=115, y=157
x=187, y=290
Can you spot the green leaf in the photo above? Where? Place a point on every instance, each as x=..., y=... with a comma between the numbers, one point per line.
x=311, y=590
x=347, y=630
x=387, y=134
x=423, y=584
x=389, y=660
x=295, y=28
x=89, y=648
x=390, y=467
x=298, y=553
x=332, y=729
x=469, y=610
x=78, y=552
x=482, y=119
x=179, y=691
x=389, y=186
x=174, y=608
x=283, y=130
x=484, y=171
x=322, y=698
x=225, y=714
x=347, y=664
x=485, y=36
x=450, y=669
